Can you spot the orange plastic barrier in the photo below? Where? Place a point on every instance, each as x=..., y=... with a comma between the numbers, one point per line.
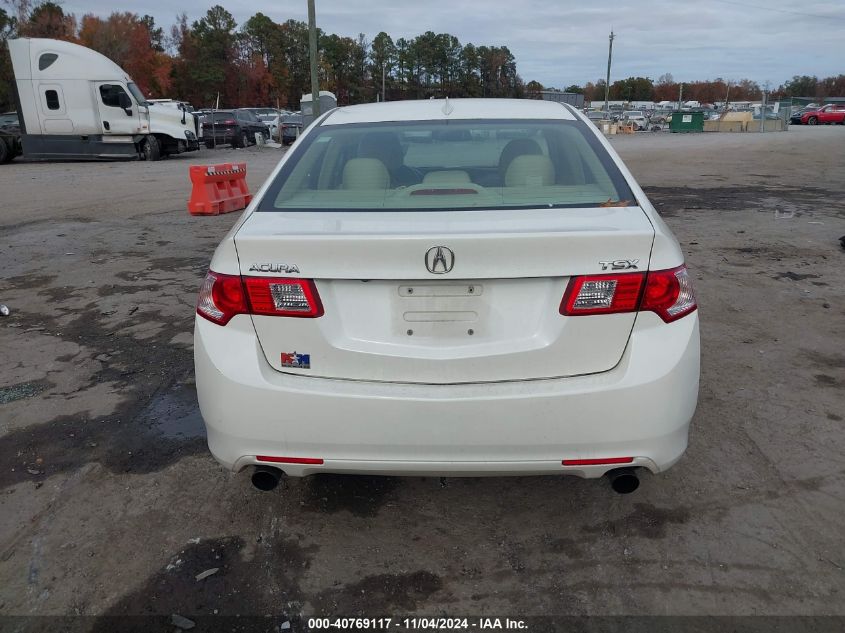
x=218, y=189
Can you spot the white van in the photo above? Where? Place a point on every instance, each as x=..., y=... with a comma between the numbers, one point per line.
x=76, y=103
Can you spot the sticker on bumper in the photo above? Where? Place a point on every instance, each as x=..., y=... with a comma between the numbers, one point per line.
x=297, y=361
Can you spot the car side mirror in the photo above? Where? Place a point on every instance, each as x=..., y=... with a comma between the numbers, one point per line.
x=125, y=102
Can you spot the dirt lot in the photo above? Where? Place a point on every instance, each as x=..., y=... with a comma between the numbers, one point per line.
x=111, y=505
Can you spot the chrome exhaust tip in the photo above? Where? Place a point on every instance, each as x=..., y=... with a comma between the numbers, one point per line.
x=266, y=478
x=623, y=480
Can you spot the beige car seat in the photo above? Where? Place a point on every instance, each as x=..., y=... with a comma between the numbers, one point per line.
x=530, y=171
x=365, y=174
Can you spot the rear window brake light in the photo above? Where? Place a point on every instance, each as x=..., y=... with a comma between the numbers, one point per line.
x=443, y=192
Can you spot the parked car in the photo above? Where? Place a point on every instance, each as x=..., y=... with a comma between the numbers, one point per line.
x=237, y=127
x=637, y=118
x=9, y=119
x=828, y=115
x=661, y=116
x=389, y=307
x=291, y=126
x=596, y=116
x=263, y=112
x=795, y=118
x=273, y=122
x=10, y=136
x=220, y=127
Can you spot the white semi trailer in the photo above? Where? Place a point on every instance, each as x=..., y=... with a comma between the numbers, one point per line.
x=75, y=103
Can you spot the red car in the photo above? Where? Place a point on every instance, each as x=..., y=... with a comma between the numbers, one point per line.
x=827, y=114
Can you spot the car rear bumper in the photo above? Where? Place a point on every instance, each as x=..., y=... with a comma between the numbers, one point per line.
x=220, y=136
x=640, y=409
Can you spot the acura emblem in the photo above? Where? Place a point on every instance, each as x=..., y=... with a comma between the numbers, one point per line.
x=439, y=260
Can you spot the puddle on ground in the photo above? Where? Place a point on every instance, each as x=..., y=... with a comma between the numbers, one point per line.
x=174, y=413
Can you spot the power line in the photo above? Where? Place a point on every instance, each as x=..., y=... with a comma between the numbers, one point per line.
x=801, y=13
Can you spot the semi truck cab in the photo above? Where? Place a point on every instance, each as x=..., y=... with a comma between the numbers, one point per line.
x=74, y=102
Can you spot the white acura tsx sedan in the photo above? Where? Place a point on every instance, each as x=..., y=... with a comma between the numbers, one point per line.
x=448, y=287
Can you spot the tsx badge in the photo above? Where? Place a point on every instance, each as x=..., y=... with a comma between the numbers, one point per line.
x=620, y=264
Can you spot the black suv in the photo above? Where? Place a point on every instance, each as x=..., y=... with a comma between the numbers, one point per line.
x=10, y=136
x=237, y=127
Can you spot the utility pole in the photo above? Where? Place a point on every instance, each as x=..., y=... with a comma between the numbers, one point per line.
x=763, y=107
x=607, y=81
x=681, y=96
x=383, y=94
x=312, y=45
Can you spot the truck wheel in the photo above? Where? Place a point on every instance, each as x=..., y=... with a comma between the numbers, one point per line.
x=6, y=154
x=151, y=148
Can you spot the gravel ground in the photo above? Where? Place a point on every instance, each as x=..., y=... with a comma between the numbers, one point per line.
x=111, y=505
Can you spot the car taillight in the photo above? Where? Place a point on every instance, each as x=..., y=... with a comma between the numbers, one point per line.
x=283, y=297
x=668, y=293
x=223, y=296
x=602, y=294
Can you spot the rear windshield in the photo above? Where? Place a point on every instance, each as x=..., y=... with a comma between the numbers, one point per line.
x=448, y=165
x=219, y=117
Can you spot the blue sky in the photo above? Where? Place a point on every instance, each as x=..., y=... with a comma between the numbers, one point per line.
x=564, y=42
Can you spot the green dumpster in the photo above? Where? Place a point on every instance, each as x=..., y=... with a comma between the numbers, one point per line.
x=687, y=122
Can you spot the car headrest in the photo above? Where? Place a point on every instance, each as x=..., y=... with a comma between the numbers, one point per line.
x=514, y=148
x=384, y=146
x=530, y=171
x=446, y=177
x=365, y=173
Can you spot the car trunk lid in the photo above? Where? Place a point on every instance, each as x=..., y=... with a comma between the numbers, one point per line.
x=493, y=316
